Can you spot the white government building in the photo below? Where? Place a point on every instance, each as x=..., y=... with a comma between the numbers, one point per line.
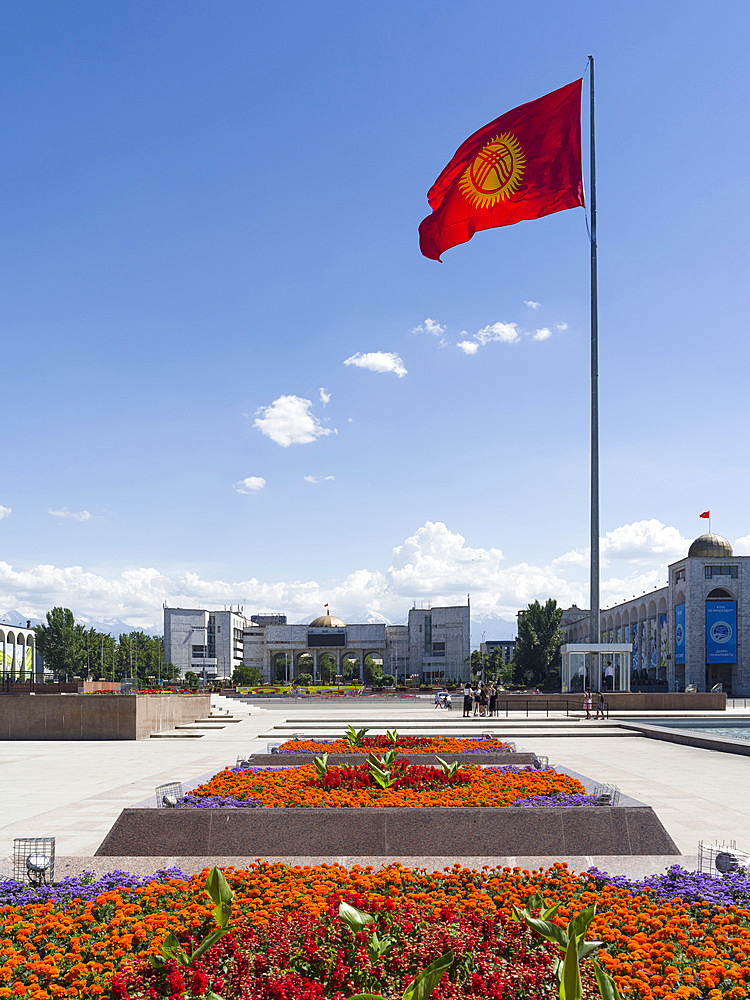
x=695, y=631
x=17, y=652
x=434, y=644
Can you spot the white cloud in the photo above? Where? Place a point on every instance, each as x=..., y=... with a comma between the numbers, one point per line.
x=288, y=420
x=742, y=546
x=318, y=479
x=433, y=329
x=642, y=540
x=325, y=397
x=532, y=304
x=506, y=333
x=435, y=564
x=250, y=484
x=5, y=512
x=73, y=515
x=379, y=361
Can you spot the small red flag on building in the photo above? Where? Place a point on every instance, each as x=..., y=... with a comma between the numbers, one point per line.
x=523, y=165
x=706, y=513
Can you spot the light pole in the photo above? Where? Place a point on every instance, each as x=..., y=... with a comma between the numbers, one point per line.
x=481, y=653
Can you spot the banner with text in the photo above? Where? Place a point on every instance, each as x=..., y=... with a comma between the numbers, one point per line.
x=679, y=633
x=721, y=631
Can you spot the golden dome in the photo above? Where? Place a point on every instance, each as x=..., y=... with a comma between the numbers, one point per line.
x=711, y=547
x=327, y=621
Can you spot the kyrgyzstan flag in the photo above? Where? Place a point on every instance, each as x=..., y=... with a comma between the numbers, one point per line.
x=706, y=513
x=523, y=165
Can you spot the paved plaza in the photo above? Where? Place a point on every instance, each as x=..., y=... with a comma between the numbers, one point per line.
x=75, y=790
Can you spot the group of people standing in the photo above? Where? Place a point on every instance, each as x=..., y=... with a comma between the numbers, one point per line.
x=482, y=698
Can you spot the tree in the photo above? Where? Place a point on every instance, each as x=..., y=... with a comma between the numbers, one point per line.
x=373, y=671
x=62, y=645
x=538, y=644
x=496, y=667
x=243, y=676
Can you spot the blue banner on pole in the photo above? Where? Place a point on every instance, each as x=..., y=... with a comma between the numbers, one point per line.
x=679, y=633
x=721, y=631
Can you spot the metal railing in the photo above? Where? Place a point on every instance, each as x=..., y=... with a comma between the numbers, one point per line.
x=525, y=704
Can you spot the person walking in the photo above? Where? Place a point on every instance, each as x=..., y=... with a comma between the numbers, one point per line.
x=483, y=700
x=467, y=700
x=587, y=702
x=600, y=704
x=493, y=700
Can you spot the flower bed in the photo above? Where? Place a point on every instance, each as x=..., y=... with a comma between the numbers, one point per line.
x=415, y=785
x=406, y=744
x=661, y=943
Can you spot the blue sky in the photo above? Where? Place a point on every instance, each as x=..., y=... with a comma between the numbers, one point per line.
x=209, y=208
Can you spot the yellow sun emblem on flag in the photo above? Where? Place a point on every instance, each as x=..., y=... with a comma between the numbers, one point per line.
x=495, y=173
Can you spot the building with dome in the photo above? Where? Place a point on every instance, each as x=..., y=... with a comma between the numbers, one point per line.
x=695, y=631
x=434, y=644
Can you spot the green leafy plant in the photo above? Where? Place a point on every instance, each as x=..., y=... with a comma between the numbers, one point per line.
x=321, y=765
x=392, y=736
x=382, y=776
x=423, y=986
x=446, y=768
x=385, y=760
x=572, y=944
x=218, y=889
x=355, y=736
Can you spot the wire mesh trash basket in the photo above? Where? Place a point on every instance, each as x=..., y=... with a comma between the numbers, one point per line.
x=721, y=858
x=243, y=762
x=606, y=795
x=167, y=796
x=540, y=762
x=34, y=860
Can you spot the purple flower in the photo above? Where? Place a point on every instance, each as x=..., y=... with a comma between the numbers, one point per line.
x=695, y=888
x=85, y=886
x=557, y=799
x=215, y=802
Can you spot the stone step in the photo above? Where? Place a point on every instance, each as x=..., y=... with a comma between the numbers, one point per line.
x=171, y=734
x=529, y=734
x=205, y=726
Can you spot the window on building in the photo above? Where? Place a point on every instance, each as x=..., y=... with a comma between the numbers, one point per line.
x=679, y=575
x=198, y=652
x=730, y=571
x=438, y=649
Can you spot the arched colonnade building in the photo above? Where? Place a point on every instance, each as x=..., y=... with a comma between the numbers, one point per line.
x=17, y=652
x=696, y=630
x=301, y=648
x=434, y=644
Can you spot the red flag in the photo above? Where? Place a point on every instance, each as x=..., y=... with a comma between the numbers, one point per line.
x=706, y=513
x=523, y=165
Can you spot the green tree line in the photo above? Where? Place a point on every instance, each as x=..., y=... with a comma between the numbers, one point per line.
x=69, y=650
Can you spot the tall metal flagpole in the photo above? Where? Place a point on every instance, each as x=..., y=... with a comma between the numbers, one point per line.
x=594, y=572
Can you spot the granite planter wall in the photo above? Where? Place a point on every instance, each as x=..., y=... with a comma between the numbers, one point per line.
x=280, y=759
x=390, y=832
x=97, y=717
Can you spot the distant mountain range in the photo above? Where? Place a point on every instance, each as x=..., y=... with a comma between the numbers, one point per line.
x=109, y=626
